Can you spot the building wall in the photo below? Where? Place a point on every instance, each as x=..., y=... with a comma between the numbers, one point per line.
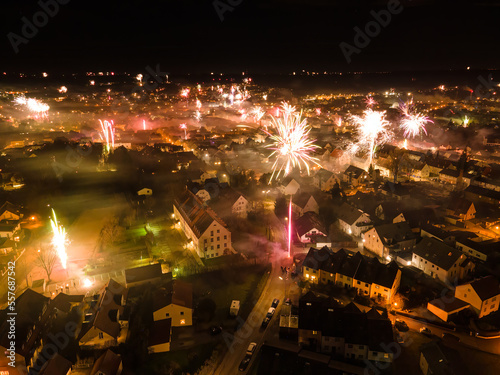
x=306, y=336
x=424, y=366
x=7, y=215
x=178, y=314
x=470, y=251
x=305, y=237
x=334, y=345
x=97, y=338
x=240, y=207
x=214, y=241
x=203, y=195
x=432, y=270
x=373, y=242
x=311, y=274
x=356, y=351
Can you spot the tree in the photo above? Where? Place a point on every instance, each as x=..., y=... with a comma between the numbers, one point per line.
x=281, y=207
x=111, y=232
x=47, y=258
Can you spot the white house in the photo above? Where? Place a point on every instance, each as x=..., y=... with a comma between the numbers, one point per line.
x=304, y=202
x=441, y=261
x=382, y=239
x=483, y=295
x=352, y=220
x=289, y=186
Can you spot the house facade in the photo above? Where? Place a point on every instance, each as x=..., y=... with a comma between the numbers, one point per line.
x=483, y=295
x=387, y=238
x=175, y=304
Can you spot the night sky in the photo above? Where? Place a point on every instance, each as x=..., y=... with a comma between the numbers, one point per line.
x=256, y=36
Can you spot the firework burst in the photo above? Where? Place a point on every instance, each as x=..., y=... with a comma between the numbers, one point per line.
x=413, y=123
x=372, y=130
x=291, y=143
x=36, y=107
x=59, y=239
x=107, y=134
x=258, y=113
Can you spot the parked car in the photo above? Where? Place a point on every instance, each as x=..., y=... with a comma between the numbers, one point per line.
x=401, y=325
x=425, y=331
x=270, y=312
x=251, y=348
x=215, y=330
x=266, y=321
x=244, y=363
x=275, y=303
x=450, y=337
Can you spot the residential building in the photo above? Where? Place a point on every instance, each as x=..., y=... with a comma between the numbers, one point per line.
x=229, y=203
x=10, y=212
x=386, y=239
x=175, y=303
x=478, y=247
x=309, y=226
x=477, y=193
x=289, y=186
x=57, y=365
x=304, y=202
x=344, y=331
x=145, y=191
x=324, y=180
x=462, y=209
x=160, y=336
x=355, y=176
x=109, y=363
x=151, y=273
x=367, y=275
x=352, y=220
x=104, y=324
x=483, y=295
x=208, y=233
x=441, y=261
x=446, y=307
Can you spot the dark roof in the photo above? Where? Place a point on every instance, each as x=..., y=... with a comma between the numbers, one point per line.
x=450, y=172
x=160, y=332
x=354, y=172
x=396, y=189
x=301, y=199
x=485, y=247
x=310, y=220
x=107, y=364
x=391, y=234
x=459, y=206
x=419, y=216
x=106, y=311
x=139, y=274
x=477, y=190
x=317, y=258
x=323, y=174
x=435, y=231
x=443, y=360
x=486, y=287
x=448, y=304
x=178, y=293
x=348, y=213
x=57, y=365
x=437, y=252
x=63, y=301
x=7, y=206
x=197, y=216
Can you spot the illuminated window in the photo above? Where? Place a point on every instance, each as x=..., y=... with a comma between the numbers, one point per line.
x=183, y=321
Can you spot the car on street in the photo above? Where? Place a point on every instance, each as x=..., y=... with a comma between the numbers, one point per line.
x=275, y=303
x=215, y=330
x=401, y=325
x=244, y=363
x=265, y=322
x=251, y=348
x=425, y=331
x=270, y=312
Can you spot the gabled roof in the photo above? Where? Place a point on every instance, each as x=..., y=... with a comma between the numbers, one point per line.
x=317, y=259
x=159, y=332
x=302, y=199
x=323, y=174
x=107, y=364
x=486, y=287
x=105, y=314
x=310, y=220
x=355, y=172
x=443, y=360
x=393, y=233
x=477, y=190
x=197, y=216
x=437, y=252
x=57, y=365
x=460, y=206
x=348, y=213
x=178, y=293
x=139, y=274
x=7, y=206
x=63, y=301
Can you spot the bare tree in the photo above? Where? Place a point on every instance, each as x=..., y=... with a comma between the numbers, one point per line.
x=47, y=258
x=111, y=232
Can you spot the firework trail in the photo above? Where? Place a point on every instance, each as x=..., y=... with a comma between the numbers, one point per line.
x=258, y=113
x=198, y=104
x=59, y=239
x=108, y=134
x=372, y=130
x=143, y=124
x=184, y=127
x=413, y=123
x=197, y=116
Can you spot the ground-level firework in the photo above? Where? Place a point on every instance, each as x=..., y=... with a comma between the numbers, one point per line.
x=107, y=134
x=59, y=239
